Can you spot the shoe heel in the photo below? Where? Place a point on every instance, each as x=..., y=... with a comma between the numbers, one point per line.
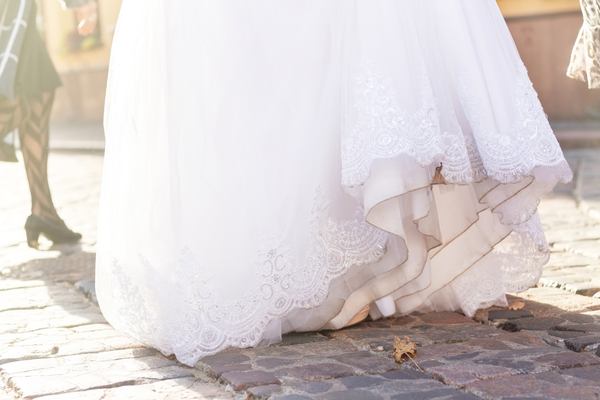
x=33, y=233
x=32, y=238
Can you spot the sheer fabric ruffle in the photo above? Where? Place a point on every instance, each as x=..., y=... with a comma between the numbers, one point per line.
x=258, y=183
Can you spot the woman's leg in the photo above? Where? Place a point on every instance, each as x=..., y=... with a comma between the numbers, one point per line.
x=10, y=118
x=34, y=137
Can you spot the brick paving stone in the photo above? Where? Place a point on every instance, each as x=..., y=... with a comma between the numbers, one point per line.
x=567, y=334
x=216, y=372
x=430, y=395
x=272, y=363
x=279, y=352
x=532, y=324
x=508, y=314
x=404, y=375
x=463, y=357
x=360, y=382
x=404, y=321
x=413, y=387
x=578, y=318
x=349, y=395
x=462, y=374
x=261, y=392
x=568, y=360
x=225, y=358
x=522, y=339
x=445, y=318
x=172, y=389
x=319, y=348
x=488, y=344
x=582, y=343
x=588, y=373
x=519, y=366
x=440, y=350
x=318, y=372
x=241, y=380
x=544, y=385
x=293, y=338
x=586, y=328
x=367, y=362
x=312, y=387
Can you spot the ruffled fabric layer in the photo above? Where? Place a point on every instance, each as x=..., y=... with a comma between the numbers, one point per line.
x=371, y=153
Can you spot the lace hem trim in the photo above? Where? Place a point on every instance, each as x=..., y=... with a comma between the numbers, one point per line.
x=203, y=324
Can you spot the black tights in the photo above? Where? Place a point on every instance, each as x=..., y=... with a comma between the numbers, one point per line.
x=32, y=116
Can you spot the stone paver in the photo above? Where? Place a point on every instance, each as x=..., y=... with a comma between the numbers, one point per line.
x=55, y=343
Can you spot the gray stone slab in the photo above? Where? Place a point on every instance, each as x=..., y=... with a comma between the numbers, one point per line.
x=573, y=234
x=93, y=374
x=29, y=320
x=36, y=297
x=559, y=261
x=34, y=366
x=171, y=389
x=587, y=248
x=60, y=342
x=10, y=284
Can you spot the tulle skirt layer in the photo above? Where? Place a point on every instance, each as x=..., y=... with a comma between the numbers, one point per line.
x=275, y=166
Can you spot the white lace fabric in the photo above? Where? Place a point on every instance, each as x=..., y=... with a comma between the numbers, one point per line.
x=585, y=63
x=259, y=183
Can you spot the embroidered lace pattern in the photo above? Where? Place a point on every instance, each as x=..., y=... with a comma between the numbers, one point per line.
x=513, y=266
x=585, y=62
x=510, y=156
x=202, y=324
x=383, y=130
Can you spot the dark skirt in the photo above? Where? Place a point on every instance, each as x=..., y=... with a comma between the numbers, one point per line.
x=35, y=75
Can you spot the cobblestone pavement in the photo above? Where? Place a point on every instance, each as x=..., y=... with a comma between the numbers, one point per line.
x=55, y=344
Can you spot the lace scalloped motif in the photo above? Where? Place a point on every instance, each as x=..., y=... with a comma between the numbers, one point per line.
x=513, y=266
x=202, y=324
x=383, y=130
x=510, y=156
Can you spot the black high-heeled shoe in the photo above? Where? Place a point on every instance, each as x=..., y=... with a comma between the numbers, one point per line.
x=56, y=231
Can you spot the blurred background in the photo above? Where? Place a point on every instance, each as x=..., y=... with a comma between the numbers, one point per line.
x=544, y=32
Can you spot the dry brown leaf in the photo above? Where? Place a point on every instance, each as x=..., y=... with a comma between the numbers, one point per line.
x=438, y=178
x=405, y=348
x=516, y=305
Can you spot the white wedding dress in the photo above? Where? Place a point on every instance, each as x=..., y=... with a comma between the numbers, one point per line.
x=270, y=166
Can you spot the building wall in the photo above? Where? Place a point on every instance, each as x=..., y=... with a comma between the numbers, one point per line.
x=545, y=44
x=84, y=73
x=544, y=32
